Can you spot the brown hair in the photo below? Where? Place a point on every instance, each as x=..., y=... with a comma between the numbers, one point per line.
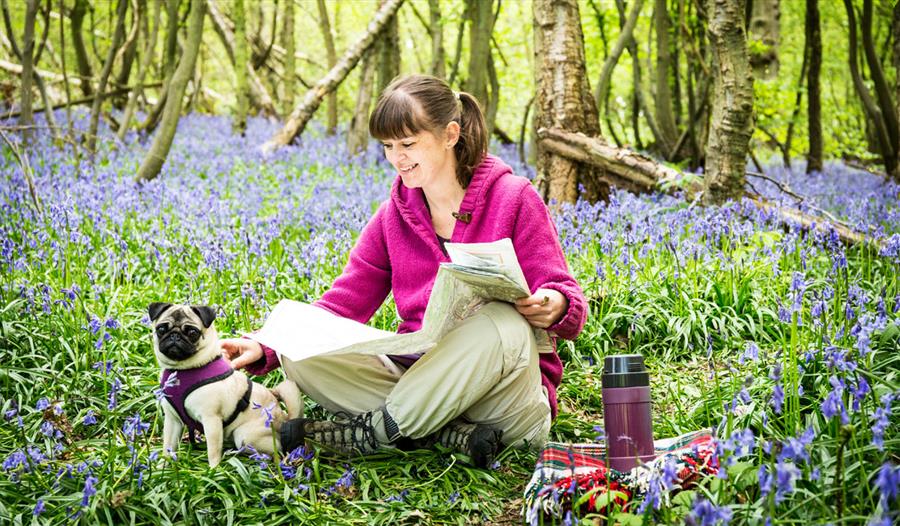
x=417, y=103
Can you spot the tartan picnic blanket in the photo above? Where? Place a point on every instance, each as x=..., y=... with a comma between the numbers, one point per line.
x=566, y=472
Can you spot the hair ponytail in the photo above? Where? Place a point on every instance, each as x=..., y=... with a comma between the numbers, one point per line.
x=473, y=141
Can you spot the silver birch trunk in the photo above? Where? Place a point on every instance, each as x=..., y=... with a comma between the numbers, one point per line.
x=159, y=150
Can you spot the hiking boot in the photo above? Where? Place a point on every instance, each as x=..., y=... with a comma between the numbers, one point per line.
x=347, y=434
x=480, y=442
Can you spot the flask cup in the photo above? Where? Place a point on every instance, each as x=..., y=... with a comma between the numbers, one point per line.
x=626, y=411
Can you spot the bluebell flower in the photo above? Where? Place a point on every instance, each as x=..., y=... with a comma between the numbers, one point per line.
x=38, y=507
x=777, y=398
x=133, y=427
x=267, y=411
x=888, y=483
x=786, y=473
x=94, y=325
x=89, y=490
x=750, y=353
x=600, y=435
x=42, y=404
x=90, y=418
x=705, y=513
x=834, y=402
x=401, y=497
x=453, y=497
x=881, y=421
x=797, y=449
x=113, y=394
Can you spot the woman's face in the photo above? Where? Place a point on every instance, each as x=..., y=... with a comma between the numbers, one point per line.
x=424, y=158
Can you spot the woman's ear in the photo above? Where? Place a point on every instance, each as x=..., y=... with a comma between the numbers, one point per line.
x=451, y=133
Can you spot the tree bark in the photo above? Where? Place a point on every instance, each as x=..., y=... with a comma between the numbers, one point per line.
x=241, y=65
x=118, y=35
x=882, y=91
x=298, y=119
x=765, y=27
x=290, y=59
x=81, y=57
x=457, y=57
x=481, y=18
x=130, y=50
x=26, y=118
x=358, y=132
x=813, y=93
x=389, y=52
x=732, y=113
x=144, y=64
x=626, y=35
x=156, y=156
x=896, y=59
x=873, y=112
x=665, y=116
x=259, y=95
x=328, y=37
x=436, y=27
x=563, y=99
x=171, y=38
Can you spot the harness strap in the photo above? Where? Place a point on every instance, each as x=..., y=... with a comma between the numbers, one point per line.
x=193, y=425
x=242, y=404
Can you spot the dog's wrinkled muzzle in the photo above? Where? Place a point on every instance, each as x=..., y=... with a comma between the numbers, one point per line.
x=176, y=347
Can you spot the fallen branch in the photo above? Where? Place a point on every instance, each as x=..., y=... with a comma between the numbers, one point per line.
x=298, y=119
x=638, y=173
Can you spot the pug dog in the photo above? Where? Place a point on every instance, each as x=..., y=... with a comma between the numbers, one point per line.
x=202, y=391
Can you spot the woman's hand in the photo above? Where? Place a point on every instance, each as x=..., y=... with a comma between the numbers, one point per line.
x=543, y=308
x=241, y=352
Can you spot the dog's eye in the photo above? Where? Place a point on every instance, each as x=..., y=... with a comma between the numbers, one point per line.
x=192, y=333
x=162, y=329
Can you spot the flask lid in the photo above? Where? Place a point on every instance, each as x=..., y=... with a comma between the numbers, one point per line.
x=625, y=370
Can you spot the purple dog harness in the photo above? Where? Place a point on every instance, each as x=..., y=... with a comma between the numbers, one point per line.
x=185, y=381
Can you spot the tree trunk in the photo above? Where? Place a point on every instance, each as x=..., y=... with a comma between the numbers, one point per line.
x=118, y=36
x=457, y=57
x=144, y=64
x=625, y=37
x=171, y=38
x=438, y=69
x=563, y=99
x=882, y=91
x=298, y=119
x=358, y=132
x=481, y=17
x=813, y=93
x=159, y=150
x=241, y=66
x=130, y=51
x=765, y=28
x=389, y=52
x=26, y=119
x=732, y=113
x=259, y=96
x=665, y=117
x=81, y=57
x=896, y=58
x=328, y=37
x=873, y=113
x=290, y=59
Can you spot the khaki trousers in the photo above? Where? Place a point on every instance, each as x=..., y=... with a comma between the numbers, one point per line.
x=485, y=370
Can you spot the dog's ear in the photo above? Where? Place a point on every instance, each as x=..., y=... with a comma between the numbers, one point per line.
x=157, y=308
x=207, y=314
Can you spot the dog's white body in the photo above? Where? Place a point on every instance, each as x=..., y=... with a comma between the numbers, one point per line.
x=213, y=403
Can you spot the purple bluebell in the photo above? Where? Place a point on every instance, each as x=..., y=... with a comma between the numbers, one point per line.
x=89, y=489
x=705, y=513
x=38, y=507
x=888, y=483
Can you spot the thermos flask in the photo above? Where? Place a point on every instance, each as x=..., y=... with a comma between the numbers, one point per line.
x=626, y=411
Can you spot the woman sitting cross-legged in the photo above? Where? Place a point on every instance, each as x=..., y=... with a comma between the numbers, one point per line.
x=485, y=384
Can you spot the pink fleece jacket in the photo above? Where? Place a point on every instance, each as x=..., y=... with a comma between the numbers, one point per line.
x=398, y=250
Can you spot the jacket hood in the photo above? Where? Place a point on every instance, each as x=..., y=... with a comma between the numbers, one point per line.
x=410, y=202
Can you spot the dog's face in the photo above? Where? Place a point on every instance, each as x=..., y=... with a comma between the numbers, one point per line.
x=183, y=335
